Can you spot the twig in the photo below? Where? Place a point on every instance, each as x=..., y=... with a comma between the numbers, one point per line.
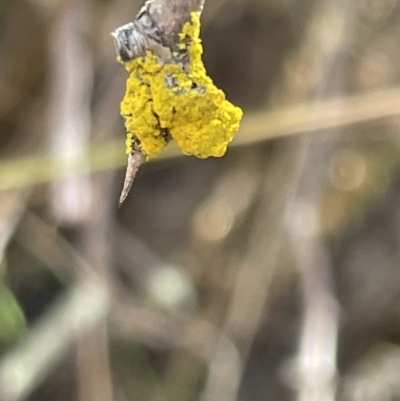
x=135, y=160
x=69, y=111
x=156, y=29
x=315, y=366
x=26, y=171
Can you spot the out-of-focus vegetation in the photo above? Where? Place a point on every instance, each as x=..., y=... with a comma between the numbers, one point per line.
x=12, y=320
x=271, y=273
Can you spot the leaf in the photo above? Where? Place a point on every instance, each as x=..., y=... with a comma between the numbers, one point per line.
x=12, y=319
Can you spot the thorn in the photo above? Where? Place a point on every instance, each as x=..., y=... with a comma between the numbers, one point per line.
x=135, y=160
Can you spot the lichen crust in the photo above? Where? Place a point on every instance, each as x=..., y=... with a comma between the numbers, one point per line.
x=178, y=99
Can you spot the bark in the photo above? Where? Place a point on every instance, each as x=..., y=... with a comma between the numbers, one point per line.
x=170, y=15
x=135, y=160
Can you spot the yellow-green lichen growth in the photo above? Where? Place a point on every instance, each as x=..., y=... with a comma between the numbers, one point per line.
x=163, y=100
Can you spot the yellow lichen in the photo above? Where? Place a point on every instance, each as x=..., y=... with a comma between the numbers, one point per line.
x=165, y=98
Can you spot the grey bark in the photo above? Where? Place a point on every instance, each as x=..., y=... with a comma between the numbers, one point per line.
x=170, y=15
x=135, y=160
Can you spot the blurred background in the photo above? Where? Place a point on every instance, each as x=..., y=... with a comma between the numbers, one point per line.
x=272, y=273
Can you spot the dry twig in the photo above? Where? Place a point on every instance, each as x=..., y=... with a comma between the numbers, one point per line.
x=156, y=28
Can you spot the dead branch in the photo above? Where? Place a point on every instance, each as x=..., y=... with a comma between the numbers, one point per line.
x=155, y=28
